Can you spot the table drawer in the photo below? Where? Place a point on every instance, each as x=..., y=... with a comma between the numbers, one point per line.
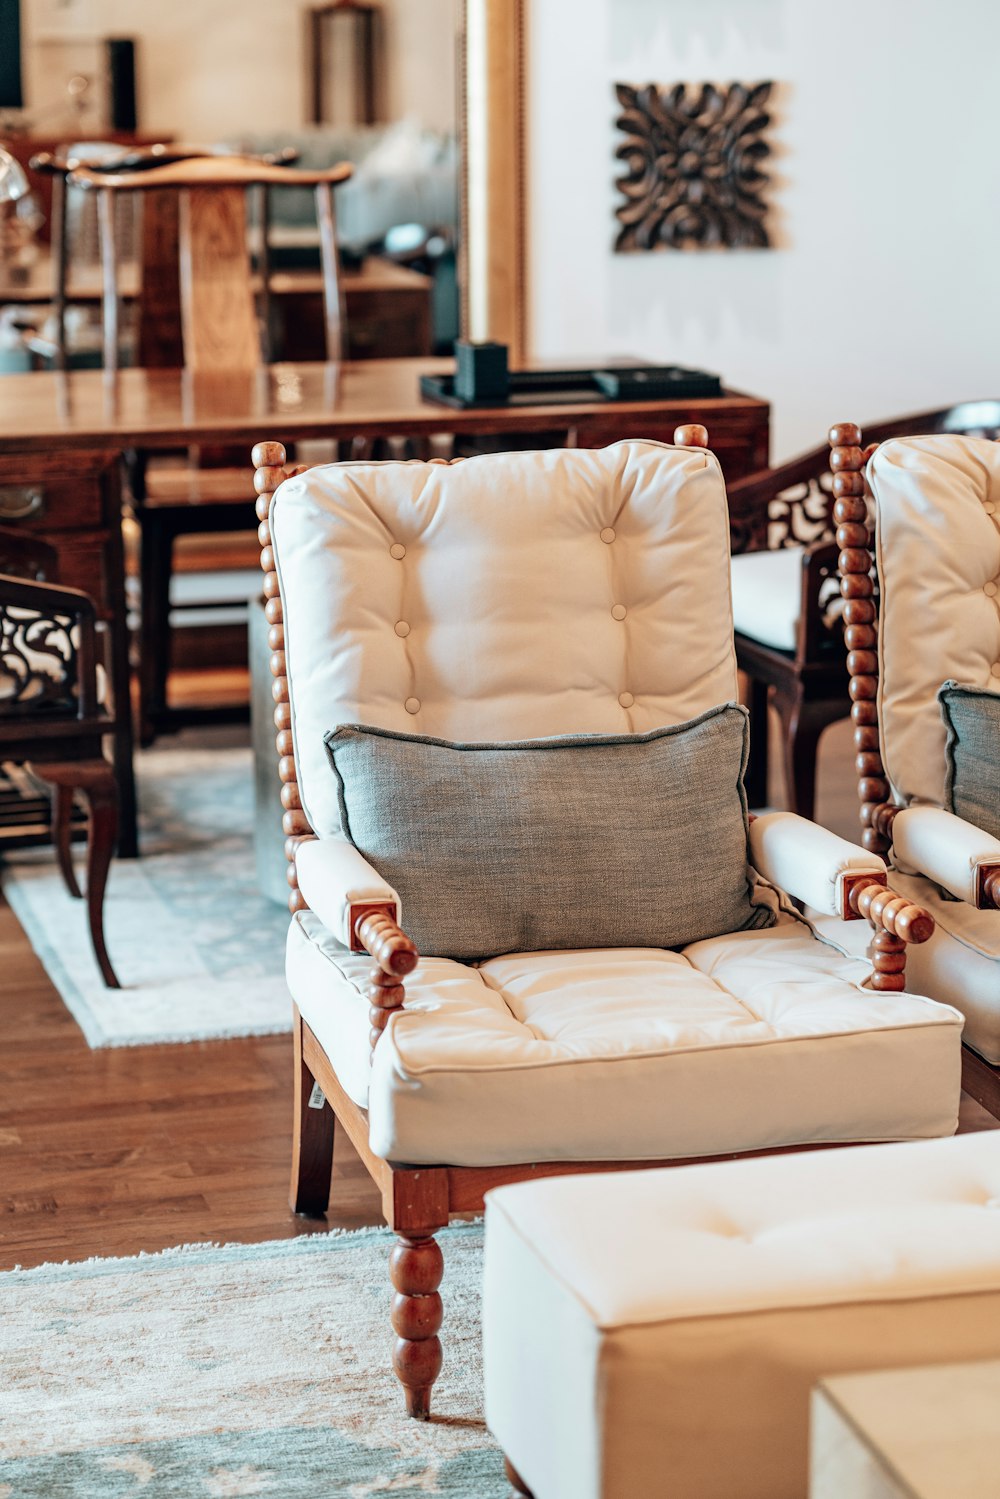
x=36, y=494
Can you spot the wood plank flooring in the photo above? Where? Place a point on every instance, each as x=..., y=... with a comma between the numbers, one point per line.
x=137, y=1148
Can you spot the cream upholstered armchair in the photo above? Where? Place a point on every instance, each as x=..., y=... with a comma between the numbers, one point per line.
x=925, y=680
x=507, y=731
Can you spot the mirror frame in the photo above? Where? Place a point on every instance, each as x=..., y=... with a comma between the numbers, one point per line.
x=493, y=215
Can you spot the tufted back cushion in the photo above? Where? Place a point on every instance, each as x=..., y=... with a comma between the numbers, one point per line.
x=509, y=596
x=937, y=514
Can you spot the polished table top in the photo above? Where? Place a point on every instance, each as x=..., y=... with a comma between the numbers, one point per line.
x=51, y=410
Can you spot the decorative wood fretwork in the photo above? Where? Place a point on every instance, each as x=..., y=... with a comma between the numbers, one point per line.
x=38, y=658
x=692, y=157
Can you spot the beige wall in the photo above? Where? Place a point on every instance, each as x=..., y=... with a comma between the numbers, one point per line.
x=881, y=296
x=208, y=68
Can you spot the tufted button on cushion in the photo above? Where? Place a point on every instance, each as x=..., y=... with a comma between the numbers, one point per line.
x=397, y=550
x=412, y=705
x=608, y=535
x=619, y=611
x=990, y=590
x=401, y=628
x=989, y=507
x=626, y=699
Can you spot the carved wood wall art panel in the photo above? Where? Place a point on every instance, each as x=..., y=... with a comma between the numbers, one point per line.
x=692, y=155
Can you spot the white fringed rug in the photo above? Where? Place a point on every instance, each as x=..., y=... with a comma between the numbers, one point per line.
x=199, y=951
x=244, y=1370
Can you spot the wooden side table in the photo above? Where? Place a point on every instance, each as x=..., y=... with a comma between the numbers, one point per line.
x=922, y=1433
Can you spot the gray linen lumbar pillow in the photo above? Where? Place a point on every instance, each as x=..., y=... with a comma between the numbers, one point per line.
x=576, y=842
x=972, y=781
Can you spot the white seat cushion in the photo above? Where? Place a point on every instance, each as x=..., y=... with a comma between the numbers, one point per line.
x=767, y=595
x=741, y=1042
x=959, y=966
x=658, y=1332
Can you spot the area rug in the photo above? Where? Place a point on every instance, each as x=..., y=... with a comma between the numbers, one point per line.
x=199, y=951
x=243, y=1370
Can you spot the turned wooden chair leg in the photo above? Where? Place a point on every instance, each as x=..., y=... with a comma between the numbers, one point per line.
x=416, y=1266
x=312, y=1140
x=62, y=812
x=514, y=1478
x=101, y=793
x=801, y=728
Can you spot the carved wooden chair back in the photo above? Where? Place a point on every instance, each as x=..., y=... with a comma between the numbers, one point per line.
x=793, y=505
x=51, y=716
x=690, y=669
x=219, y=324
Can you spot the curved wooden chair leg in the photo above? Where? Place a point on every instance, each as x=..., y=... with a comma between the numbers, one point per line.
x=101, y=793
x=313, y=1128
x=62, y=812
x=514, y=1478
x=416, y=1267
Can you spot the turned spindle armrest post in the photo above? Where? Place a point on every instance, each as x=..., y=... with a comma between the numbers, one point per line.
x=988, y=887
x=374, y=930
x=896, y=920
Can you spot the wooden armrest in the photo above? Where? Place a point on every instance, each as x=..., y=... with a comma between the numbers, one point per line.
x=988, y=887
x=374, y=929
x=897, y=921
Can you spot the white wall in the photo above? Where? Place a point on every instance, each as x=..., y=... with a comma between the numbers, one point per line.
x=210, y=68
x=883, y=295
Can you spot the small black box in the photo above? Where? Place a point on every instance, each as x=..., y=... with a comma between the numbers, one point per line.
x=481, y=371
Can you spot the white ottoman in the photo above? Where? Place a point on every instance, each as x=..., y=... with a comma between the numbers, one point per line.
x=658, y=1332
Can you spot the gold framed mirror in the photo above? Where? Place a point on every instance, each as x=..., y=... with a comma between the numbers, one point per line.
x=492, y=126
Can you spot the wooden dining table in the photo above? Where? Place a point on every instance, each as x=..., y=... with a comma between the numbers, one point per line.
x=63, y=435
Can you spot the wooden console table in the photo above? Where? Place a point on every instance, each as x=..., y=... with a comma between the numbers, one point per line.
x=62, y=435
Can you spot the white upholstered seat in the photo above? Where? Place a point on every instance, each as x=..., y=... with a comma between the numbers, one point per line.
x=736, y=1043
x=767, y=595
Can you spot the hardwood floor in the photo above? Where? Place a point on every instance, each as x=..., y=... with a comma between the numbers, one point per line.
x=137, y=1148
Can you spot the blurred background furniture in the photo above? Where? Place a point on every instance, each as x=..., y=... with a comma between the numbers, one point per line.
x=346, y=62
x=786, y=600
x=401, y=203
x=926, y=702
x=53, y=713
x=208, y=269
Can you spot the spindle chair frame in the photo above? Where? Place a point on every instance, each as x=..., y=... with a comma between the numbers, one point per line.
x=418, y=1201
x=858, y=568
